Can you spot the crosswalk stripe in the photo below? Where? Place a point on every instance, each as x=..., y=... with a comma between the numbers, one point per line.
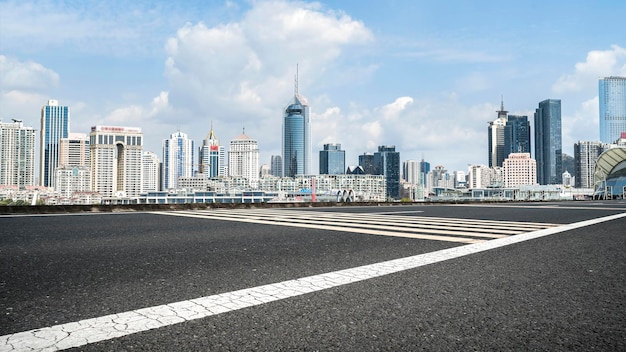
x=438, y=229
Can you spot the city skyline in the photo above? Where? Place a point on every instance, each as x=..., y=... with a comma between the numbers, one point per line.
x=374, y=75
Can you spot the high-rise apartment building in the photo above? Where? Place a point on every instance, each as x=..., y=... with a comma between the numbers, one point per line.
x=519, y=169
x=116, y=160
x=296, y=137
x=74, y=150
x=55, y=124
x=332, y=160
x=424, y=170
x=479, y=176
x=243, y=159
x=548, y=146
x=17, y=154
x=411, y=172
x=276, y=166
x=516, y=135
x=496, y=138
x=586, y=154
x=178, y=157
x=387, y=163
x=212, y=157
x=150, y=171
x=612, y=96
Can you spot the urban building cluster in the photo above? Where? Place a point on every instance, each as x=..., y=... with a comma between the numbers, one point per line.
x=109, y=164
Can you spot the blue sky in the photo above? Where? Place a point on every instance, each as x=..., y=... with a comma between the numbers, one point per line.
x=424, y=76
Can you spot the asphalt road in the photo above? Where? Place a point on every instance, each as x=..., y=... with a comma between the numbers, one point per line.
x=562, y=292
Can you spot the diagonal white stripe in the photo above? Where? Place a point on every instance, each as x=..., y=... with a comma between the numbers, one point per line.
x=87, y=331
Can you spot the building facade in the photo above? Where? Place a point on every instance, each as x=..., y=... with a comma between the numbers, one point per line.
x=411, y=172
x=585, y=155
x=612, y=96
x=212, y=157
x=178, y=157
x=519, y=169
x=332, y=160
x=387, y=163
x=74, y=150
x=17, y=155
x=116, y=160
x=150, y=171
x=243, y=159
x=55, y=124
x=276, y=165
x=548, y=146
x=496, y=138
x=517, y=135
x=296, y=138
x=366, y=162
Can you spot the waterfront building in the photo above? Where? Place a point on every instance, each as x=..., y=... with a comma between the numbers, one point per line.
x=116, y=160
x=496, y=138
x=296, y=137
x=612, y=99
x=479, y=176
x=178, y=157
x=548, y=146
x=519, y=169
x=55, y=124
x=212, y=157
x=150, y=171
x=17, y=154
x=243, y=158
x=387, y=163
x=332, y=160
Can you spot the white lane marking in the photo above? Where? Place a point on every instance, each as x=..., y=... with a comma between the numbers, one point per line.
x=76, y=334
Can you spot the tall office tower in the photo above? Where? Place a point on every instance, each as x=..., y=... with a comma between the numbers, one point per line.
x=612, y=95
x=74, y=150
x=585, y=156
x=243, y=158
x=548, y=146
x=116, y=155
x=424, y=170
x=276, y=166
x=17, y=154
x=411, y=172
x=519, y=169
x=178, y=157
x=332, y=160
x=150, y=172
x=366, y=161
x=212, y=157
x=387, y=163
x=55, y=124
x=496, y=137
x=516, y=135
x=297, y=137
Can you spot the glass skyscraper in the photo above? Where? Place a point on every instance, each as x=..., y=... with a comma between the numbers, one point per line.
x=212, y=157
x=297, y=138
x=178, y=156
x=516, y=135
x=387, y=163
x=55, y=124
x=612, y=95
x=332, y=160
x=548, y=145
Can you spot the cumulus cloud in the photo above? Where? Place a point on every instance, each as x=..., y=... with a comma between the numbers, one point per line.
x=599, y=63
x=19, y=75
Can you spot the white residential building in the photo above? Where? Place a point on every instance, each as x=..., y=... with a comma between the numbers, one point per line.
x=519, y=169
x=178, y=157
x=243, y=159
x=150, y=172
x=116, y=155
x=17, y=155
x=72, y=179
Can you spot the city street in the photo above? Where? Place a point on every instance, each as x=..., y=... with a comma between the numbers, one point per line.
x=510, y=276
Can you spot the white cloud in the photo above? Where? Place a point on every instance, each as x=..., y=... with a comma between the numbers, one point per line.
x=599, y=63
x=18, y=75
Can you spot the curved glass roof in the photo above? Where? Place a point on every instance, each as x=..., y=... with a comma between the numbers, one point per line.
x=608, y=163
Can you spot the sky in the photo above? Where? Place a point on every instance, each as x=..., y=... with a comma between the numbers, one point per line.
x=424, y=76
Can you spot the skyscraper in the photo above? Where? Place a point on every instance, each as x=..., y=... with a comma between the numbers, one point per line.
x=586, y=154
x=150, y=172
x=296, y=137
x=612, y=96
x=387, y=163
x=178, y=157
x=411, y=171
x=276, y=166
x=243, y=158
x=516, y=135
x=366, y=162
x=55, y=124
x=17, y=154
x=519, y=169
x=212, y=156
x=548, y=146
x=496, y=138
x=74, y=150
x=332, y=160
x=116, y=160
x=424, y=170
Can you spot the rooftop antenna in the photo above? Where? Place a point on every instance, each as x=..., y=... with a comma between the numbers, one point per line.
x=296, y=80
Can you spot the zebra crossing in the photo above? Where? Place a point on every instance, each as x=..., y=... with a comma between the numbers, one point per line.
x=419, y=227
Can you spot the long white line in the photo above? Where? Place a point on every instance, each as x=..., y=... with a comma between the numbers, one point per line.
x=75, y=334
